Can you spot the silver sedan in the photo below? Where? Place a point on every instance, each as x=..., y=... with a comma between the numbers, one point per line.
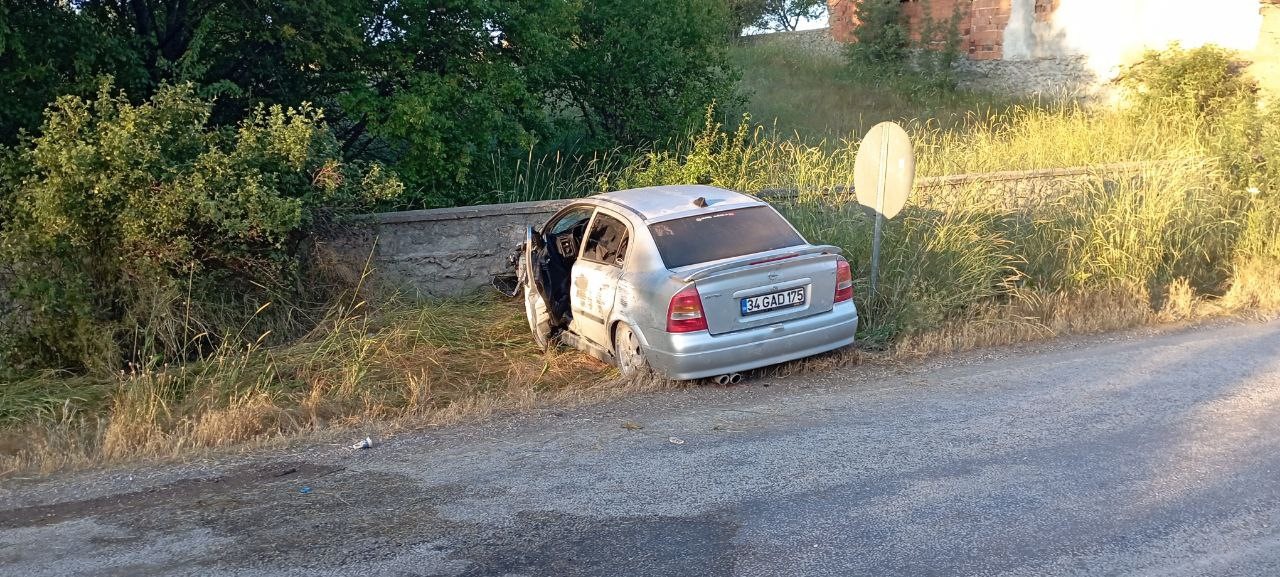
x=687, y=281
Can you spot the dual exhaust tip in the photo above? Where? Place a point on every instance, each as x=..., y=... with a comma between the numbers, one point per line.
x=727, y=379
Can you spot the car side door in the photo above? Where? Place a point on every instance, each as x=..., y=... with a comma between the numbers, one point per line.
x=596, y=275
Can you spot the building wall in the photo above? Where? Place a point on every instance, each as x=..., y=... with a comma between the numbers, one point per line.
x=1073, y=47
x=1106, y=31
x=1266, y=56
x=841, y=20
x=982, y=22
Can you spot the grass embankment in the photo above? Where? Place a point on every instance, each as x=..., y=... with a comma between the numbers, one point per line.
x=402, y=362
x=813, y=94
x=963, y=267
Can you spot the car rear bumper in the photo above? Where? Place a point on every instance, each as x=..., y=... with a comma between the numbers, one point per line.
x=698, y=355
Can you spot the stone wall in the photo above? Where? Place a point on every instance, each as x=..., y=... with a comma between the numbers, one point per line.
x=455, y=251
x=1069, y=77
x=817, y=41
x=438, y=252
x=1051, y=78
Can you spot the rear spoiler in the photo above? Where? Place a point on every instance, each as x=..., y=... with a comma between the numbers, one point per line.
x=811, y=251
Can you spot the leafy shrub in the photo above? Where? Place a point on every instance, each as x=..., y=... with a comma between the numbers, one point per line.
x=710, y=156
x=884, y=48
x=939, y=48
x=881, y=40
x=1205, y=88
x=1205, y=81
x=431, y=88
x=134, y=221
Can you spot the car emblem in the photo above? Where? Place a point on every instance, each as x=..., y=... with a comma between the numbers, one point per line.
x=774, y=276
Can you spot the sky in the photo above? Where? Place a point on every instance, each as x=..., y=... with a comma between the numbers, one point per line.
x=804, y=25
x=815, y=23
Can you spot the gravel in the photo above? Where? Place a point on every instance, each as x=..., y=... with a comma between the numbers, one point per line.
x=1145, y=453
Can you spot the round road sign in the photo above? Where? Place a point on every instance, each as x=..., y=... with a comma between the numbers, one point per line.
x=885, y=169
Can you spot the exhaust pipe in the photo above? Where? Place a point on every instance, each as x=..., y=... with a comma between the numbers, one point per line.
x=727, y=379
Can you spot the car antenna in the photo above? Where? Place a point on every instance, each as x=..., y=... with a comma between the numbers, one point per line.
x=700, y=202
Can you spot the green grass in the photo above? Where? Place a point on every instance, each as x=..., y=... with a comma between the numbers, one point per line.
x=814, y=96
x=968, y=255
x=1100, y=253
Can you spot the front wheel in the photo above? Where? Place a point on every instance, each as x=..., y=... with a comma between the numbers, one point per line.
x=628, y=352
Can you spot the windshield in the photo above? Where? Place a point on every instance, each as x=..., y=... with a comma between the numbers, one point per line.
x=704, y=238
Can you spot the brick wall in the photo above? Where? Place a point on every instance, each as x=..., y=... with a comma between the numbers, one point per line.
x=981, y=27
x=840, y=19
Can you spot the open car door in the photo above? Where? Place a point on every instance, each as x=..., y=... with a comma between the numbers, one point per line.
x=535, y=303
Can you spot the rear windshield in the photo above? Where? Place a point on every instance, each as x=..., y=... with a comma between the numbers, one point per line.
x=704, y=238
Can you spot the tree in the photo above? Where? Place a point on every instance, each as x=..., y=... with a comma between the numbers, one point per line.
x=786, y=15
x=638, y=84
x=433, y=88
x=47, y=49
x=450, y=87
x=429, y=86
x=744, y=14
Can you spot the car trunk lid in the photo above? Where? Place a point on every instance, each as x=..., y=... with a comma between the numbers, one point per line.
x=780, y=286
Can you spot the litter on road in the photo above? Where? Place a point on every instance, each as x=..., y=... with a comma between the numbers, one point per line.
x=366, y=443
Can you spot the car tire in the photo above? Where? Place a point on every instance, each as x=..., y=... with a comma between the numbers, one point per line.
x=628, y=352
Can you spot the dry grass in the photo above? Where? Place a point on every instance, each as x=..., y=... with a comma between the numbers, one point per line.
x=1255, y=286
x=405, y=364
x=1033, y=316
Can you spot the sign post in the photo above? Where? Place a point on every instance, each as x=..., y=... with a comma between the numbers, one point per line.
x=883, y=174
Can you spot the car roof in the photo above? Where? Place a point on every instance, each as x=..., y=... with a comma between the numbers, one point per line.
x=657, y=203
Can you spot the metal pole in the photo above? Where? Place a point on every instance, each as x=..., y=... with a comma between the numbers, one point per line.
x=875, y=253
x=875, y=238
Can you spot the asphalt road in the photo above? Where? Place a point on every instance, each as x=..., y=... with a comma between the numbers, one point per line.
x=1138, y=454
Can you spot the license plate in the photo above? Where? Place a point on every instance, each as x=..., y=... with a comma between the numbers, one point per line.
x=774, y=301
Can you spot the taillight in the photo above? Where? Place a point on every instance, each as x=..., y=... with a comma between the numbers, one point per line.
x=844, y=281
x=685, y=313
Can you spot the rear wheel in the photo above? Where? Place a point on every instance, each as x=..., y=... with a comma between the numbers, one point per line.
x=628, y=351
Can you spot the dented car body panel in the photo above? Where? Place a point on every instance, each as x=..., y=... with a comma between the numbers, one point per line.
x=689, y=281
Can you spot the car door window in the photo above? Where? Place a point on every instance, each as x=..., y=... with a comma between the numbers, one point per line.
x=571, y=219
x=566, y=232
x=607, y=241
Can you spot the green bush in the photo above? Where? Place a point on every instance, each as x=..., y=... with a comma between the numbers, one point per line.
x=881, y=40
x=884, y=49
x=939, y=49
x=133, y=223
x=1206, y=88
x=1205, y=81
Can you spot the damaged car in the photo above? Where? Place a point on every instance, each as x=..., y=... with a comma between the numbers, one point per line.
x=686, y=281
